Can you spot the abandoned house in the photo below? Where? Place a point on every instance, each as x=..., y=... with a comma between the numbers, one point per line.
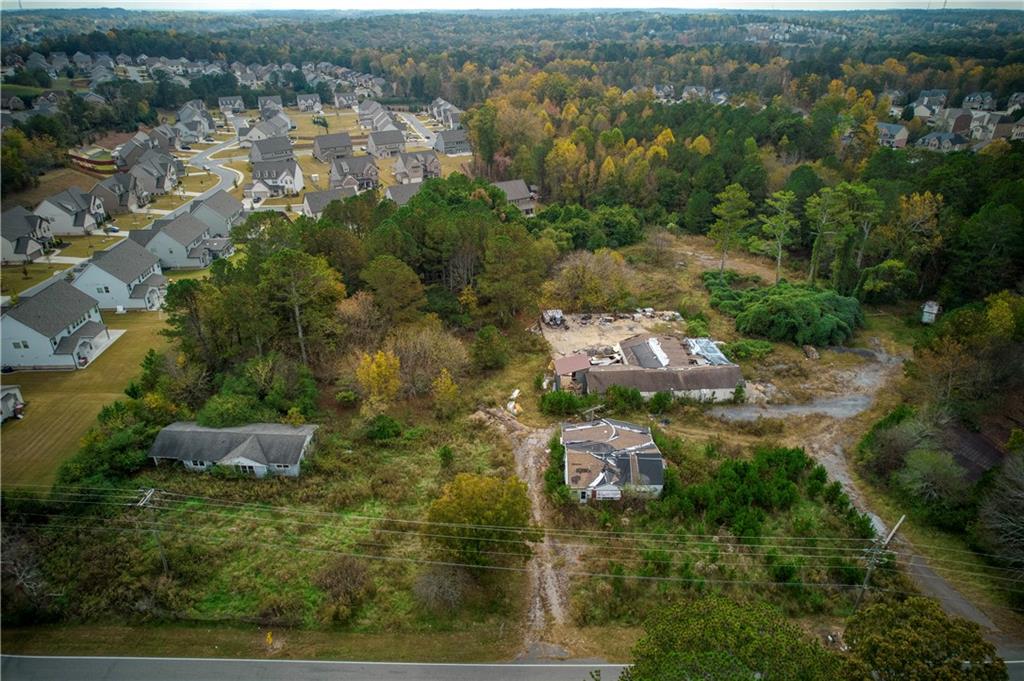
x=605, y=458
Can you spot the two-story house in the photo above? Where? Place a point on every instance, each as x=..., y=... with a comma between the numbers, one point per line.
x=314, y=203
x=892, y=135
x=119, y=193
x=452, y=143
x=416, y=166
x=309, y=102
x=275, y=178
x=271, y=149
x=177, y=242
x=326, y=148
x=385, y=143
x=230, y=105
x=357, y=172
x=220, y=212
x=72, y=212
x=155, y=173
x=519, y=195
x=58, y=327
x=125, y=276
x=24, y=236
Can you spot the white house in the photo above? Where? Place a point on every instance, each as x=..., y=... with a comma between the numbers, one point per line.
x=257, y=449
x=275, y=178
x=124, y=276
x=72, y=212
x=309, y=103
x=416, y=166
x=57, y=328
x=385, y=143
x=177, y=242
x=24, y=236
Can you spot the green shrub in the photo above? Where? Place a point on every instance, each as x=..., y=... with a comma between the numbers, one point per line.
x=698, y=328
x=230, y=409
x=445, y=456
x=660, y=402
x=747, y=349
x=382, y=427
x=560, y=403
x=785, y=312
x=346, y=397
x=622, y=400
x=490, y=349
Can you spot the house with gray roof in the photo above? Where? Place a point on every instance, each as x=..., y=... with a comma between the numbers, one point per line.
x=231, y=105
x=892, y=135
x=155, y=173
x=256, y=449
x=607, y=458
x=367, y=110
x=313, y=203
x=519, y=195
x=401, y=193
x=385, y=143
x=358, y=172
x=271, y=149
x=24, y=236
x=452, y=143
x=326, y=148
x=119, y=193
x=275, y=127
x=309, y=102
x=269, y=102
x=416, y=166
x=275, y=178
x=983, y=101
x=72, y=212
x=943, y=142
x=59, y=327
x=345, y=100
x=125, y=276
x=220, y=212
x=178, y=242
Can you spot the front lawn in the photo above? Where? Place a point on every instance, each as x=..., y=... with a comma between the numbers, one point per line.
x=16, y=278
x=85, y=246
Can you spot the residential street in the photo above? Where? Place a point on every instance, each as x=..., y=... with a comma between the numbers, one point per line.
x=19, y=668
x=421, y=129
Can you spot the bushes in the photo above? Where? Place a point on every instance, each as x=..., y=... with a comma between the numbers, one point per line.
x=561, y=403
x=785, y=312
x=747, y=349
x=382, y=427
x=623, y=400
x=660, y=403
x=554, y=476
x=227, y=409
x=347, y=582
x=490, y=349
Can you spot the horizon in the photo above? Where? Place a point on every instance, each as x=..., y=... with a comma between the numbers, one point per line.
x=227, y=6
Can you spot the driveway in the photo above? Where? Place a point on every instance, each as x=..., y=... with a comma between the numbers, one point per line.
x=27, y=668
x=417, y=125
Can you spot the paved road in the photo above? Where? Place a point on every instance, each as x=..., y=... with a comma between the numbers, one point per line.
x=411, y=119
x=201, y=160
x=32, y=668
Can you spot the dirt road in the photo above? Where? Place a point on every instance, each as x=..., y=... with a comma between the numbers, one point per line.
x=549, y=587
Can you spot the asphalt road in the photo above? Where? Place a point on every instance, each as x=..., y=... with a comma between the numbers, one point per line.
x=202, y=161
x=31, y=668
x=424, y=132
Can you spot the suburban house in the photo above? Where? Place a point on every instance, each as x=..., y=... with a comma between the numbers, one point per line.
x=275, y=127
x=12, y=404
x=929, y=101
x=367, y=110
x=691, y=367
x=357, y=172
x=953, y=120
x=990, y=125
x=257, y=449
x=980, y=100
x=271, y=149
x=72, y=212
x=445, y=113
x=943, y=142
x=385, y=143
x=416, y=166
x=57, y=328
x=125, y=276
x=401, y=193
x=326, y=148
x=892, y=135
x=385, y=120
x=155, y=173
x=452, y=143
x=194, y=118
x=24, y=236
x=275, y=178
x=230, y=105
x=519, y=195
x=345, y=100
x=606, y=458
x=269, y=102
x=219, y=212
x=179, y=243
x=309, y=102
x=313, y=203
x=119, y=193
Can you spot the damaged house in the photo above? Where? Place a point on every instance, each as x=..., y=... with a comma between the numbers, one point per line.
x=605, y=458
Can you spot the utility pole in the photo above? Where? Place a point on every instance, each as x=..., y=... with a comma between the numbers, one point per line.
x=144, y=503
x=874, y=558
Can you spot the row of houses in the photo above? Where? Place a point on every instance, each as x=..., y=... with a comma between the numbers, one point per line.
x=445, y=113
x=970, y=126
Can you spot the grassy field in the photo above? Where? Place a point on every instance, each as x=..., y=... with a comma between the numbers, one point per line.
x=454, y=164
x=13, y=279
x=63, y=404
x=85, y=246
x=344, y=121
x=13, y=90
x=170, y=202
x=198, y=181
x=133, y=220
x=50, y=183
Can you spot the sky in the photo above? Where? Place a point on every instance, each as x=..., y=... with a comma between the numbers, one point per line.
x=421, y=5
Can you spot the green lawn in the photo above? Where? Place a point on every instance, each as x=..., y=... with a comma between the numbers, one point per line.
x=62, y=405
x=50, y=183
x=133, y=221
x=169, y=201
x=12, y=90
x=13, y=278
x=85, y=246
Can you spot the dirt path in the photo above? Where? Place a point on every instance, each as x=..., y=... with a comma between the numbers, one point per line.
x=549, y=587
